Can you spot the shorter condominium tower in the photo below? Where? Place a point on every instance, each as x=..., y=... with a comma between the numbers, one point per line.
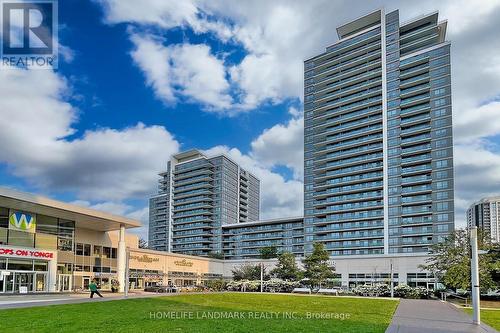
x=485, y=214
x=197, y=195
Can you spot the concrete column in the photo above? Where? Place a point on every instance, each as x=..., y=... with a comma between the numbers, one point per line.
x=122, y=257
x=52, y=278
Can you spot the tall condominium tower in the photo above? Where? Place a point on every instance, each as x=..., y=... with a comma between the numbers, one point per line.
x=485, y=214
x=378, y=137
x=197, y=196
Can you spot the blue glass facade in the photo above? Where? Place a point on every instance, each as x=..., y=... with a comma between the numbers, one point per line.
x=378, y=138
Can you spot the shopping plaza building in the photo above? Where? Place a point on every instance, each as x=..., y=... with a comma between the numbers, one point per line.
x=49, y=246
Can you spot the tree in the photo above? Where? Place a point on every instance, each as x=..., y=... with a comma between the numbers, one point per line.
x=248, y=272
x=268, y=252
x=450, y=261
x=317, y=268
x=286, y=268
x=143, y=244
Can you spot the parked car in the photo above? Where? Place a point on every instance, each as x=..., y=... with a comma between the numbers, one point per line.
x=161, y=289
x=493, y=293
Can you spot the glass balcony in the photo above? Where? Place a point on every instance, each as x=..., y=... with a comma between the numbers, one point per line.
x=350, y=188
x=418, y=188
x=347, y=152
x=422, y=167
x=351, y=178
x=416, y=148
x=416, y=198
x=410, y=100
x=349, y=197
x=349, y=206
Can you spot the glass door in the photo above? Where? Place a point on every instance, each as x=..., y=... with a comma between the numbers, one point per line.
x=86, y=282
x=23, y=280
x=40, y=282
x=9, y=283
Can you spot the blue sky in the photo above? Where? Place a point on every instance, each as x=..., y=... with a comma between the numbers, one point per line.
x=140, y=80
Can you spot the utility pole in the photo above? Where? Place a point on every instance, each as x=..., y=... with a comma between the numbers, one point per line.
x=476, y=317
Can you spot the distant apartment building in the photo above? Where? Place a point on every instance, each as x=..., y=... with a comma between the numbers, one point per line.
x=245, y=240
x=378, y=138
x=485, y=214
x=197, y=196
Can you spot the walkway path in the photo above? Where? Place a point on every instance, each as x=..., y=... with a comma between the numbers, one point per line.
x=421, y=316
x=23, y=301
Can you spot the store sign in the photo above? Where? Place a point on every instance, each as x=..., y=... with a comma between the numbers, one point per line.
x=184, y=263
x=144, y=258
x=22, y=221
x=26, y=253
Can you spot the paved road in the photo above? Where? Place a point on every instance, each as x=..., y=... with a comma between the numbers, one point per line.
x=422, y=316
x=24, y=301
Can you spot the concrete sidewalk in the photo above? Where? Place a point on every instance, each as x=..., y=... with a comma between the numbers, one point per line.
x=421, y=316
x=24, y=301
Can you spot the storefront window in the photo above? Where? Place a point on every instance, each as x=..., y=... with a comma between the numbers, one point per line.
x=20, y=265
x=79, y=249
x=3, y=263
x=46, y=224
x=97, y=250
x=21, y=238
x=41, y=266
x=4, y=217
x=45, y=241
x=113, y=253
x=65, y=244
x=3, y=235
x=106, y=252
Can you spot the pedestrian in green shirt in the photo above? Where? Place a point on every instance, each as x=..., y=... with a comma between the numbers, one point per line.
x=93, y=289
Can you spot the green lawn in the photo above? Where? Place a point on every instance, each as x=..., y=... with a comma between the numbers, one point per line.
x=490, y=317
x=261, y=313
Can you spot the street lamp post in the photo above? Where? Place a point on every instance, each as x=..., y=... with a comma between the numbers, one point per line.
x=476, y=317
x=127, y=258
x=392, y=281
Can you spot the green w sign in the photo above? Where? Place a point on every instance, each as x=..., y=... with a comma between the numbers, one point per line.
x=22, y=221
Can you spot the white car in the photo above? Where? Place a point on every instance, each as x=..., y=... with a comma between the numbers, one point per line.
x=493, y=293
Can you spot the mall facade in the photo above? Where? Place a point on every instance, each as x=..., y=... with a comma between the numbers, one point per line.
x=52, y=246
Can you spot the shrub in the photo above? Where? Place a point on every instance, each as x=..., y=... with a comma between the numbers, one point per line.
x=405, y=291
x=376, y=290
x=216, y=285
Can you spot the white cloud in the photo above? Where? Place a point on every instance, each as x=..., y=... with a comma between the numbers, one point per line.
x=477, y=175
x=102, y=164
x=279, y=197
x=187, y=70
x=164, y=13
x=282, y=144
x=480, y=122
x=153, y=59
